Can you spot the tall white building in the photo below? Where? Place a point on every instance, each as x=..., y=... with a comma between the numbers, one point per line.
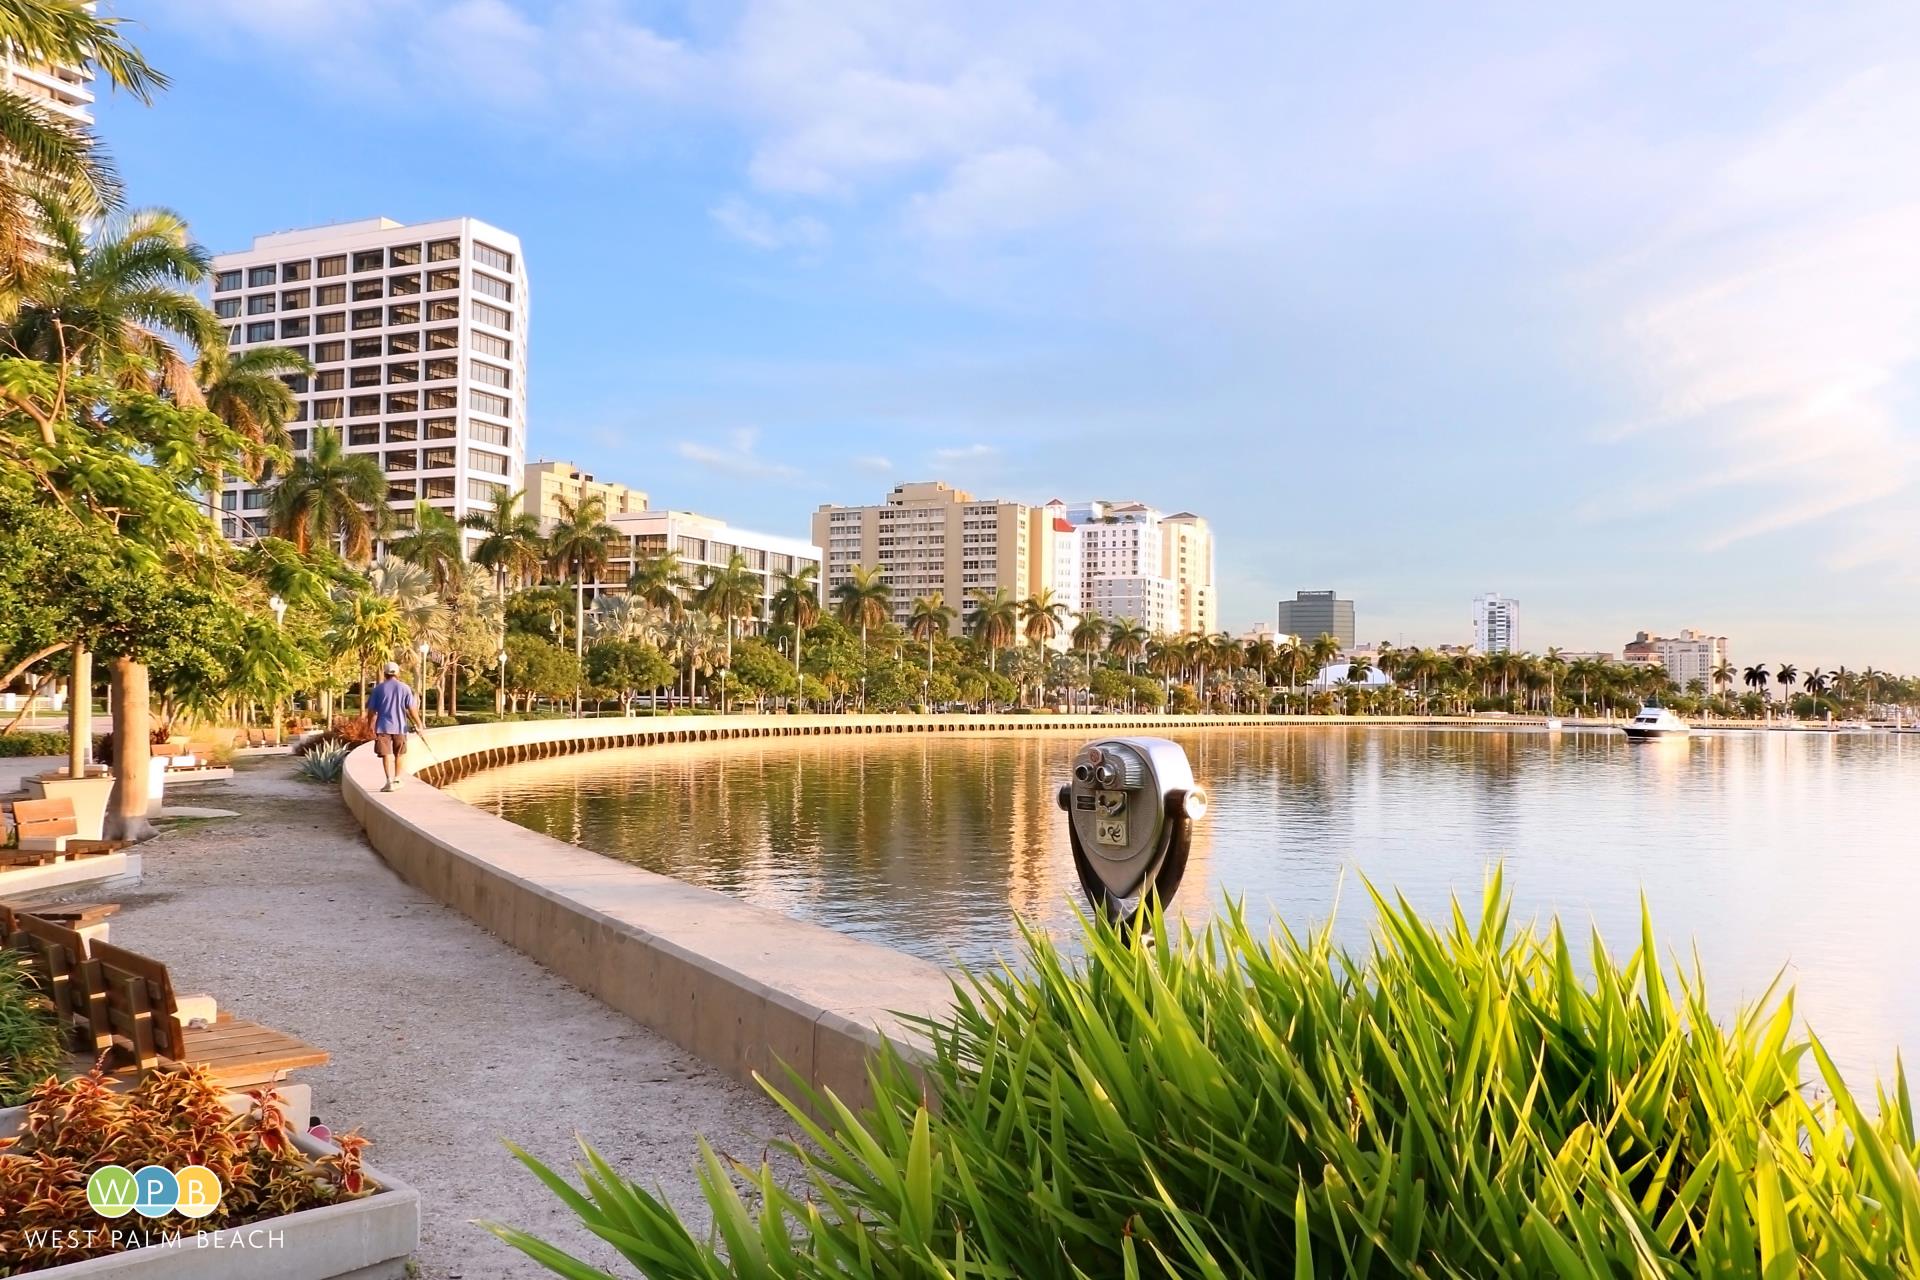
x=1494, y=618
x=61, y=90
x=703, y=544
x=1138, y=563
x=418, y=339
x=1691, y=655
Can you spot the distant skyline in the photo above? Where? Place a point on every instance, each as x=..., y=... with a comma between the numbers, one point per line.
x=1618, y=310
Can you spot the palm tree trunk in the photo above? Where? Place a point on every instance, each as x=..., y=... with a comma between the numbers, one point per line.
x=132, y=751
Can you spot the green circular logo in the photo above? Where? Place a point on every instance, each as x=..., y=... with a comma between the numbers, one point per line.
x=111, y=1191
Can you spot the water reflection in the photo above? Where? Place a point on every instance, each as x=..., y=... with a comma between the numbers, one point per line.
x=1764, y=850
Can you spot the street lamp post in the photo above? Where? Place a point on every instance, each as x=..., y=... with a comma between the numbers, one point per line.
x=500, y=686
x=279, y=608
x=420, y=685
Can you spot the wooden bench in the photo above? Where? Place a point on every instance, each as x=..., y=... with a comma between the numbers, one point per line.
x=122, y=1005
x=47, y=831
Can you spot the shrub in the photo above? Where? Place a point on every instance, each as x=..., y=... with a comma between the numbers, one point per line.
x=1457, y=1103
x=13, y=745
x=171, y=1118
x=30, y=1045
x=324, y=763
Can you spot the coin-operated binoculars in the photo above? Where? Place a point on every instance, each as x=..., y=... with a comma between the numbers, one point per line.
x=1130, y=810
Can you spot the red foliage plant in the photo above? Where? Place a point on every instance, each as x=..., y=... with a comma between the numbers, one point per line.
x=172, y=1118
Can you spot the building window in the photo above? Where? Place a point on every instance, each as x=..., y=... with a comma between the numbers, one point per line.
x=441, y=281
x=492, y=288
x=259, y=276
x=498, y=317
x=364, y=433
x=404, y=313
x=401, y=491
x=437, y=487
x=483, y=490
x=369, y=260
x=438, y=429
x=327, y=380
x=443, y=251
x=492, y=375
x=262, y=332
x=489, y=433
x=260, y=304
x=488, y=256
x=294, y=328
x=300, y=412
x=299, y=438
x=367, y=318
x=401, y=460
x=226, y=308
x=442, y=369
x=331, y=322
x=330, y=295
x=443, y=398
x=327, y=410
x=403, y=344
x=366, y=375
x=366, y=349
x=404, y=371
x=402, y=286
x=328, y=352
x=402, y=432
x=487, y=402
x=230, y=500
x=488, y=344
x=404, y=255
x=367, y=290
x=363, y=407
x=295, y=299
x=403, y=402
x=292, y=272
x=492, y=463
x=437, y=460
x=226, y=281
x=334, y=266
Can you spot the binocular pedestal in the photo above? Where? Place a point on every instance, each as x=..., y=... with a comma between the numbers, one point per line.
x=1108, y=890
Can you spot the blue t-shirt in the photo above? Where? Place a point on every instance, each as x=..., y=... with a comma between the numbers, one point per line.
x=390, y=700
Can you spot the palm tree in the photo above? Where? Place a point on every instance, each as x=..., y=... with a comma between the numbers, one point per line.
x=1757, y=677
x=118, y=301
x=41, y=150
x=1724, y=676
x=796, y=604
x=1787, y=674
x=932, y=617
x=248, y=391
x=580, y=544
x=995, y=621
x=864, y=600
x=433, y=543
x=1322, y=651
x=729, y=593
x=1043, y=617
x=511, y=545
x=1816, y=682
x=332, y=497
x=1089, y=636
x=1127, y=641
x=661, y=582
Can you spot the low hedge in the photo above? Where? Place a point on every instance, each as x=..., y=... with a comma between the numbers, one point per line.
x=34, y=743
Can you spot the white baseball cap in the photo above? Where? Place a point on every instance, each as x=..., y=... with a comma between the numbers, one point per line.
x=392, y=669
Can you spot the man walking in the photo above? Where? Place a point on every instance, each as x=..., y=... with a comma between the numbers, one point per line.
x=389, y=706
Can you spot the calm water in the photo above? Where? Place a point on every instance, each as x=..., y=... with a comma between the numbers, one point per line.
x=1767, y=851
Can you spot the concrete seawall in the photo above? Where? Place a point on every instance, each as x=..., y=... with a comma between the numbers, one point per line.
x=745, y=988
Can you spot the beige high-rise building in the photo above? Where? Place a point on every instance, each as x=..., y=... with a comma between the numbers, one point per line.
x=927, y=537
x=549, y=483
x=1139, y=564
x=1186, y=556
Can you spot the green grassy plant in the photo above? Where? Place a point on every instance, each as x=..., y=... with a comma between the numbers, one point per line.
x=1461, y=1101
x=30, y=1048
x=324, y=763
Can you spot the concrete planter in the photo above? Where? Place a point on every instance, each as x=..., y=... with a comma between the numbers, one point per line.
x=367, y=1239
x=89, y=795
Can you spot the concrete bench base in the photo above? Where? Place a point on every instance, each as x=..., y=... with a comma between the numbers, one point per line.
x=101, y=871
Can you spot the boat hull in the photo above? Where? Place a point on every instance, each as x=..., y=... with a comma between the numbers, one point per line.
x=1641, y=733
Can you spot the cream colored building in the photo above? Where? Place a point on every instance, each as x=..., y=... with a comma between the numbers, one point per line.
x=702, y=545
x=548, y=484
x=1139, y=563
x=1187, y=558
x=929, y=537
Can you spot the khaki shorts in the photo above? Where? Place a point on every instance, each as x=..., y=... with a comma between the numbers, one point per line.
x=390, y=744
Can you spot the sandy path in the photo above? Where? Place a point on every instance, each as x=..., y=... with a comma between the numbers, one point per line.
x=444, y=1039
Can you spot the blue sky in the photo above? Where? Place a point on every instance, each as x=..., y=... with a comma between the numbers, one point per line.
x=1617, y=314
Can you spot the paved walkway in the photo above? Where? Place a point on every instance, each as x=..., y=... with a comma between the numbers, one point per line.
x=444, y=1039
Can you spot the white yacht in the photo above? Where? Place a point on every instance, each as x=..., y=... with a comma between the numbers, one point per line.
x=1656, y=722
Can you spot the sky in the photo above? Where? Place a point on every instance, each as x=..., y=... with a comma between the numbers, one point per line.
x=1617, y=313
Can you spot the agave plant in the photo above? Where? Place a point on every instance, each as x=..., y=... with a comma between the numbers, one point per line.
x=1457, y=1102
x=325, y=763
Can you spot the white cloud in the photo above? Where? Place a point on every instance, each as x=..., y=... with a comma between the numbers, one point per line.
x=738, y=458
x=753, y=225
x=873, y=462
x=964, y=453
